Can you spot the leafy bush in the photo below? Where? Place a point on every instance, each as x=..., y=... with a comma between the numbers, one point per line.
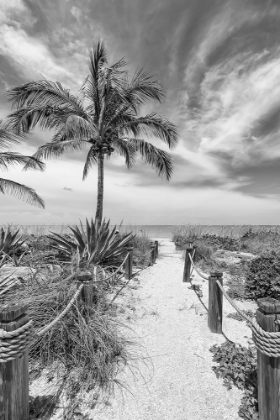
x=94, y=245
x=203, y=252
x=10, y=242
x=263, y=277
x=236, y=287
x=218, y=242
x=237, y=365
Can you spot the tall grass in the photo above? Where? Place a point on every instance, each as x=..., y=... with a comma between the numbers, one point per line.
x=231, y=231
x=86, y=348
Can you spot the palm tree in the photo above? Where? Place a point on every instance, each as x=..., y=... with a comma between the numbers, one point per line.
x=104, y=116
x=7, y=138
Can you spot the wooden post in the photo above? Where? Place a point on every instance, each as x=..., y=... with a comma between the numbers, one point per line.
x=153, y=253
x=14, y=377
x=128, y=263
x=268, y=367
x=215, y=306
x=156, y=244
x=88, y=295
x=187, y=267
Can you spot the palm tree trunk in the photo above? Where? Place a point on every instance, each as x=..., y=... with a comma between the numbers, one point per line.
x=100, y=191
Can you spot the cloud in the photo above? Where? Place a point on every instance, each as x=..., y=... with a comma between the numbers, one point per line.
x=67, y=189
x=219, y=61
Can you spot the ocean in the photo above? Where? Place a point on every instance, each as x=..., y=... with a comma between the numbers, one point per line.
x=153, y=231
x=157, y=231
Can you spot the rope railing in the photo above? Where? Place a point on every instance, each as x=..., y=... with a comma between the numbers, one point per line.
x=14, y=343
x=265, y=333
x=197, y=270
x=62, y=314
x=115, y=273
x=268, y=343
x=16, y=338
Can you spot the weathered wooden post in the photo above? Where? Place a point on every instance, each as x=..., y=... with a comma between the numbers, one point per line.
x=153, y=253
x=268, y=367
x=14, y=377
x=215, y=305
x=128, y=263
x=156, y=244
x=187, y=266
x=88, y=294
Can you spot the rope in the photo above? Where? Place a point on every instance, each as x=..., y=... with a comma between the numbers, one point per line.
x=198, y=295
x=192, y=268
x=62, y=314
x=266, y=342
x=112, y=275
x=14, y=343
x=147, y=253
x=197, y=271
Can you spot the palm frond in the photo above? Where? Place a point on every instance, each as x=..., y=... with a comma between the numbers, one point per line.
x=21, y=191
x=126, y=149
x=33, y=163
x=97, y=59
x=90, y=161
x=155, y=125
x=160, y=160
x=80, y=128
x=7, y=136
x=144, y=87
x=56, y=149
x=9, y=158
x=43, y=93
x=25, y=119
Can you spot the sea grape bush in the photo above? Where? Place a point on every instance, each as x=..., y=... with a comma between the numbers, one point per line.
x=263, y=277
x=237, y=365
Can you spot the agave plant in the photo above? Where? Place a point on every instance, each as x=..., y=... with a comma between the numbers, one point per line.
x=10, y=242
x=93, y=245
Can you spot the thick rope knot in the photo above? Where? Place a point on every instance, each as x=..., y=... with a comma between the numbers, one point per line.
x=14, y=343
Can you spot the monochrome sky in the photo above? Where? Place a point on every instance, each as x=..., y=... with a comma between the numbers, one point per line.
x=219, y=61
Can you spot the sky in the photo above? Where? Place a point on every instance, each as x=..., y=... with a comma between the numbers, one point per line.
x=219, y=61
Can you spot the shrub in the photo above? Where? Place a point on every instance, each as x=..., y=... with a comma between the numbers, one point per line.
x=218, y=242
x=10, y=242
x=236, y=287
x=237, y=365
x=93, y=245
x=83, y=350
x=203, y=252
x=263, y=277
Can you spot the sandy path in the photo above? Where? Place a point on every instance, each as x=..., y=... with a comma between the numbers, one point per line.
x=176, y=380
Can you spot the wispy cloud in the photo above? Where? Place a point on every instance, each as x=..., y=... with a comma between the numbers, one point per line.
x=220, y=63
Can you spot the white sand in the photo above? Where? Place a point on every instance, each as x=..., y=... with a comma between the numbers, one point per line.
x=175, y=380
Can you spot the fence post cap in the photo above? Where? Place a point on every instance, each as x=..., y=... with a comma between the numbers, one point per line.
x=12, y=312
x=216, y=274
x=84, y=276
x=269, y=305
